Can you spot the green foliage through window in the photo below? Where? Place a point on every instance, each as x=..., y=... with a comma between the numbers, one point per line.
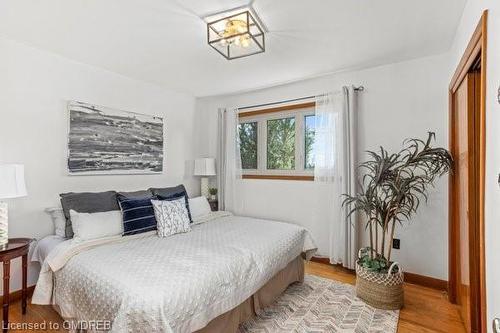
x=309, y=133
x=281, y=144
x=248, y=145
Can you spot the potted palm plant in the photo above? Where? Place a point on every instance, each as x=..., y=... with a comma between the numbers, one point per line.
x=391, y=189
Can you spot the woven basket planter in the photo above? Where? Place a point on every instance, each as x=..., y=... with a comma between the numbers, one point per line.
x=382, y=291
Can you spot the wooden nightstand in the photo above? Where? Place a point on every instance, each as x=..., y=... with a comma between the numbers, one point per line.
x=214, y=205
x=16, y=247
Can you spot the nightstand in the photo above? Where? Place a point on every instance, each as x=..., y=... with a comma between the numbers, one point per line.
x=214, y=205
x=16, y=247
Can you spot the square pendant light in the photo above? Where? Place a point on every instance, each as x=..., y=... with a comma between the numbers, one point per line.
x=236, y=35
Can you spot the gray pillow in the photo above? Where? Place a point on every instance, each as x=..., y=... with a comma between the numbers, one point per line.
x=87, y=202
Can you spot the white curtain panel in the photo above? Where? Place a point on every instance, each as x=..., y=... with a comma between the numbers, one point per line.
x=335, y=165
x=228, y=155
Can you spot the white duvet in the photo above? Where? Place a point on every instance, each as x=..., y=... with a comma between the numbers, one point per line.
x=145, y=283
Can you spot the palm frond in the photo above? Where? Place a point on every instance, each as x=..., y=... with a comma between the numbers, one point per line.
x=393, y=185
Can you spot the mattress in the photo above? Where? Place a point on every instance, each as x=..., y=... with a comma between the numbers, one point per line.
x=175, y=284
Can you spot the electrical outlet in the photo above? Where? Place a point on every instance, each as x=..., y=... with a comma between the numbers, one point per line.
x=396, y=243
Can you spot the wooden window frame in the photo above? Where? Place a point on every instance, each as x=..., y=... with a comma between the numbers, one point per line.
x=261, y=116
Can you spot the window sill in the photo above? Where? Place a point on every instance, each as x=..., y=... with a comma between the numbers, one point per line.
x=279, y=177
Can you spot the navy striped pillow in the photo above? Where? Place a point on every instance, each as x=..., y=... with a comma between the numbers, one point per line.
x=138, y=214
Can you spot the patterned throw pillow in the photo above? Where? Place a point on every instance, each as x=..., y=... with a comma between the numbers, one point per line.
x=169, y=193
x=172, y=216
x=138, y=214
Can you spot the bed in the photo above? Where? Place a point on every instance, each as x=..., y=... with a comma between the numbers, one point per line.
x=207, y=280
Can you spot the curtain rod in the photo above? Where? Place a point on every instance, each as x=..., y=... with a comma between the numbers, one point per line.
x=360, y=88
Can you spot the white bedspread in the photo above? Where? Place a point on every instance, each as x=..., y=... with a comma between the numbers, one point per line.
x=145, y=283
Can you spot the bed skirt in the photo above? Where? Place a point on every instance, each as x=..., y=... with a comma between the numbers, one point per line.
x=228, y=322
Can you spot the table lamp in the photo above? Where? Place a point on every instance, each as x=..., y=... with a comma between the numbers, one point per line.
x=204, y=167
x=11, y=186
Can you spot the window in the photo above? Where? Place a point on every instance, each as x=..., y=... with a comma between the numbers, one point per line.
x=248, y=145
x=309, y=141
x=277, y=143
x=281, y=144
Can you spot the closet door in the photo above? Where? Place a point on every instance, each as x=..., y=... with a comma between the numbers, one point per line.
x=465, y=110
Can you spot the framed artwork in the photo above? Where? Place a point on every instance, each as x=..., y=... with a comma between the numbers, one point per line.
x=103, y=140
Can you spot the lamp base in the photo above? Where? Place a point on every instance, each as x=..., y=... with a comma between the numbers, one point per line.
x=4, y=224
x=204, y=187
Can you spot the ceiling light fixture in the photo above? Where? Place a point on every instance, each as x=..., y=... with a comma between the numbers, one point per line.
x=236, y=35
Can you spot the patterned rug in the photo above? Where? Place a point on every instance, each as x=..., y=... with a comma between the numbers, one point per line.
x=321, y=305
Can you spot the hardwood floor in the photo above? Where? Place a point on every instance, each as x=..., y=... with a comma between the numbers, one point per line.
x=426, y=310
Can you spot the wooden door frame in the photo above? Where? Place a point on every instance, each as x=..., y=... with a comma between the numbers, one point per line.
x=476, y=48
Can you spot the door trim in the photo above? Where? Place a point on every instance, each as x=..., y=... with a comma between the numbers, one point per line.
x=476, y=48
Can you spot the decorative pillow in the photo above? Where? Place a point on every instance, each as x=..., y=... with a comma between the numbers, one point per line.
x=199, y=206
x=58, y=219
x=87, y=226
x=172, y=216
x=142, y=194
x=87, y=202
x=138, y=214
x=175, y=192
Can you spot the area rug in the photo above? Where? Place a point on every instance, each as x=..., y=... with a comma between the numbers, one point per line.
x=321, y=305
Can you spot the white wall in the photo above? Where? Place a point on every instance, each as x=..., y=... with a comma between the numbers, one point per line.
x=471, y=16
x=400, y=100
x=34, y=88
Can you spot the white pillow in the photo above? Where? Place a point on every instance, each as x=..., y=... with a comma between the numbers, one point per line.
x=199, y=206
x=88, y=226
x=171, y=216
x=58, y=219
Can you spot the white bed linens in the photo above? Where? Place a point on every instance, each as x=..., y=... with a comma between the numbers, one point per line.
x=43, y=247
x=145, y=283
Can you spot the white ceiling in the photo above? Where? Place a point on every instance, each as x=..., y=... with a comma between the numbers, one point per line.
x=164, y=41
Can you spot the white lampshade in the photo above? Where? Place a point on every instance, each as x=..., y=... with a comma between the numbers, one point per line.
x=12, y=183
x=204, y=167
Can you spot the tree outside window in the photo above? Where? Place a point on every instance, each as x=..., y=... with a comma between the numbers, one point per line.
x=281, y=144
x=248, y=145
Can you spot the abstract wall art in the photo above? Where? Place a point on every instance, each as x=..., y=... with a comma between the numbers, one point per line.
x=103, y=140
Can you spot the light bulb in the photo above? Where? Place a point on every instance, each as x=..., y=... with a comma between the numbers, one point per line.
x=245, y=41
x=241, y=27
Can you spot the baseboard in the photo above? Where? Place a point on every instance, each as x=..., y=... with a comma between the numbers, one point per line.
x=17, y=295
x=426, y=281
x=421, y=280
x=326, y=261
x=321, y=260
